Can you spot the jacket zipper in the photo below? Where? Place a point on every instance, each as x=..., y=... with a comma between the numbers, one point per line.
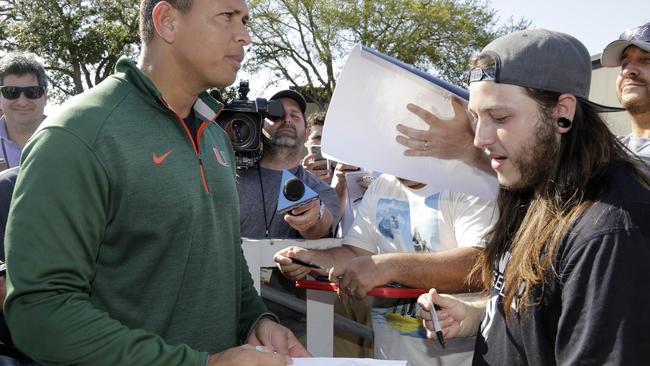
x=195, y=144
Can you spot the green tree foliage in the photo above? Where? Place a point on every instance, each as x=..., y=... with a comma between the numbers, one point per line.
x=304, y=41
x=80, y=40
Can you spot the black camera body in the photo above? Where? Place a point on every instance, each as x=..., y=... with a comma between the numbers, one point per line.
x=242, y=120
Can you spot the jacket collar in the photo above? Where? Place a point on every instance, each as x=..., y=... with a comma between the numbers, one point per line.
x=206, y=107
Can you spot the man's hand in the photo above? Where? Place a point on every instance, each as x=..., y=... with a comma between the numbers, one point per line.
x=340, y=171
x=276, y=338
x=451, y=314
x=302, y=218
x=247, y=355
x=291, y=270
x=318, y=167
x=360, y=275
x=444, y=139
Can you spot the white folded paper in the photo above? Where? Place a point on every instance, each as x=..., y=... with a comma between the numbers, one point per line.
x=370, y=100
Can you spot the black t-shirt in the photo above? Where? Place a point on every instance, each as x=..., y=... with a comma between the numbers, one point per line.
x=594, y=311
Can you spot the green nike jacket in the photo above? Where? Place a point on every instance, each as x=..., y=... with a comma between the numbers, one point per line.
x=123, y=243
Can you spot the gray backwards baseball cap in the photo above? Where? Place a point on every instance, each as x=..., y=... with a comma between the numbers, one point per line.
x=541, y=59
x=637, y=36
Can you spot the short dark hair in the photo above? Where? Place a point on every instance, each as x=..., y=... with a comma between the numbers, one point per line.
x=22, y=63
x=316, y=119
x=147, y=30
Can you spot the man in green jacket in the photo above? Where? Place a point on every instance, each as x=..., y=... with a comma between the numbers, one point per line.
x=123, y=238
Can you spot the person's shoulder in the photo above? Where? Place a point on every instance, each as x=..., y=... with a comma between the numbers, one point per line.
x=622, y=206
x=90, y=107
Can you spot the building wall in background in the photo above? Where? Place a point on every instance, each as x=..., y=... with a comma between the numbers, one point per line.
x=603, y=91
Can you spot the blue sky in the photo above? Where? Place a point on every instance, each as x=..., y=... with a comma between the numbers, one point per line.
x=595, y=22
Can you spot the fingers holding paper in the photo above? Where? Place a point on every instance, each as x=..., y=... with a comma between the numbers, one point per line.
x=443, y=139
x=277, y=338
x=247, y=355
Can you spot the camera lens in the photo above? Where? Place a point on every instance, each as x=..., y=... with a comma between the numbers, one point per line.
x=239, y=130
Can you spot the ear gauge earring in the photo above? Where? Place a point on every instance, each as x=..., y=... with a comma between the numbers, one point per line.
x=564, y=122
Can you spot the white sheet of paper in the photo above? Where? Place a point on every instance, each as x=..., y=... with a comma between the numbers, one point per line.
x=333, y=361
x=369, y=101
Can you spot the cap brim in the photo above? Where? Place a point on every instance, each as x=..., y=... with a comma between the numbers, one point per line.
x=611, y=56
x=292, y=95
x=599, y=108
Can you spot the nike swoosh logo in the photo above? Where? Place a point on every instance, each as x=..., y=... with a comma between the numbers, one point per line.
x=159, y=159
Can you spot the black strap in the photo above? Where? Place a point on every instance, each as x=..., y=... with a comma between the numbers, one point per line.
x=266, y=223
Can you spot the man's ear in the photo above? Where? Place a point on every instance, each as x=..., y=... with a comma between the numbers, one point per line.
x=164, y=21
x=565, y=108
x=307, y=134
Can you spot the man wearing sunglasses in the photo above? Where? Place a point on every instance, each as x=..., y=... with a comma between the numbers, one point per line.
x=23, y=96
x=632, y=53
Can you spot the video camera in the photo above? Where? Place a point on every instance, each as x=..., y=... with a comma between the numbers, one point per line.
x=243, y=119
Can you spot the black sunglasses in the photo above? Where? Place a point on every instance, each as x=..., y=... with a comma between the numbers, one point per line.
x=640, y=33
x=13, y=92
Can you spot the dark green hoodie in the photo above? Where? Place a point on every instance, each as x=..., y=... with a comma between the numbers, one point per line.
x=123, y=240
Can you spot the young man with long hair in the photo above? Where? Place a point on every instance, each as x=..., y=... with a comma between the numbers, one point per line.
x=565, y=262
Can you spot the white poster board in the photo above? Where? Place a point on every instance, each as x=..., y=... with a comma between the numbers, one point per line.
x=370, y=100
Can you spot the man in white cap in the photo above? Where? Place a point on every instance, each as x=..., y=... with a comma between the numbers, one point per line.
x=632, y=53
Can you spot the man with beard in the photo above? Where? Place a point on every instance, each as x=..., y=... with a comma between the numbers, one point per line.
x=632, y=53
x=568, y=254
x=259, y=187
x=283, y=141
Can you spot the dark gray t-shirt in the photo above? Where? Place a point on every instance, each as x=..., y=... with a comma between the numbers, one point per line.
x=252, y=206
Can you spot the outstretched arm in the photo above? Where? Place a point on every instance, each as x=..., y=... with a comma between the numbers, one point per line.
x=325, y=258
x=446, y=269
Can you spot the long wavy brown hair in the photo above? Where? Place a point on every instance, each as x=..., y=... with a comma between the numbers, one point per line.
x=532, y=223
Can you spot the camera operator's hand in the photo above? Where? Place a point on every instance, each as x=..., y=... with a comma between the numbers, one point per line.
x=307, y=220
x=318, y=167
